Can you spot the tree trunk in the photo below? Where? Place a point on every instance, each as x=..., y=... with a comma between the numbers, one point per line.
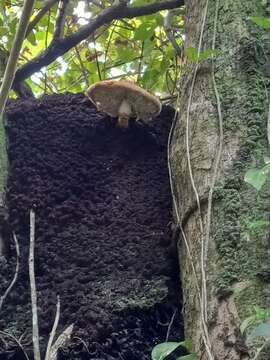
x=236, y=258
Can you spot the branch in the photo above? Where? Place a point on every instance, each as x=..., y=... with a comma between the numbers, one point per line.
x=14, y=53
x=23, y=90
x=52, y=334
x=48, y=5
x=170, y=35
x=61, y=46
x=60, y=20
x=35, y=329
x=62, y=341
x=107, y=49
x=97, y=62
x=83, y=68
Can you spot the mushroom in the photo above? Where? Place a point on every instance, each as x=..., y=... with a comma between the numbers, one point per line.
x=124, y=99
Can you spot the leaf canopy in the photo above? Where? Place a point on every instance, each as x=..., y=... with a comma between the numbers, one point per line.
x=136, y=49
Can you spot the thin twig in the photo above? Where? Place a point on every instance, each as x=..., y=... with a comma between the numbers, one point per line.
x=2, y=299
x=74, y=83
x=97, y=62
x=83, y=68
x=168, y=29
x=107, y=49
x=122, y=63
x=203, y=275
x=46, y=45
x=25, y=335
x=170, y=325
x=35, y=329
x=221, y=139
x=3, y=333
x=169, y=97
x=130, y=73
x=52, y=334
x=140, y=63
x=47, y=6
x=256, y=357
x=170, y=79
x=60, y=20
x=83, y=342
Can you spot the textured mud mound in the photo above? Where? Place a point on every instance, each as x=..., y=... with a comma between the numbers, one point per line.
x=103, y=207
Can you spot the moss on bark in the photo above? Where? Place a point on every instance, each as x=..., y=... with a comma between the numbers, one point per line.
x=243, y=85
x=238, y=271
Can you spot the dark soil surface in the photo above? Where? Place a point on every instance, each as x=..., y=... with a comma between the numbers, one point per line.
x=103, y=208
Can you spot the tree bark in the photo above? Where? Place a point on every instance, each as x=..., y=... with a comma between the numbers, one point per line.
x=235, y=259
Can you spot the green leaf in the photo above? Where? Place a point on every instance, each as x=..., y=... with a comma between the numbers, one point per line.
x=144, y=31
x=159, y=19
x=141, y=2
x=207, y=54
x=170, y=52
x=149, y=46
x=192, y=54
x=3, y=30
x=261, y=330
x=257, y=177
x=149, y=79
x=43, y=21
x=188, y=357
x=261, y=21
x=162, y=350
x=125, y=53
x=158, y=57
x=187, y=344
x=41, y=35
x=12, y=26
x=32, y=38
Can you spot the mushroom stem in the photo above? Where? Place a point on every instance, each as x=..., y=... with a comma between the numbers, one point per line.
x=124, y=113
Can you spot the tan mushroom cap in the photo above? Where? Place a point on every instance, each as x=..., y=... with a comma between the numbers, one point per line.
x=124, y=99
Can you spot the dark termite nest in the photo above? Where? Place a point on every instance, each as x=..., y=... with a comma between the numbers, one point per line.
x=103, y=209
